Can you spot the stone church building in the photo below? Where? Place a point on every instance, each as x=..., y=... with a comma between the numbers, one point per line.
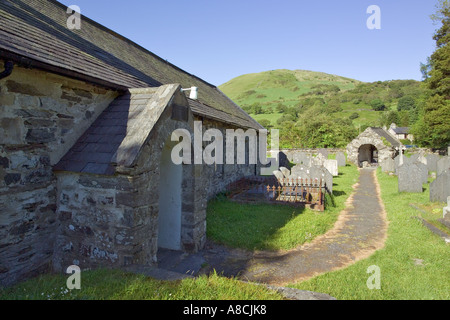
x=373, y=146
x=86, y=175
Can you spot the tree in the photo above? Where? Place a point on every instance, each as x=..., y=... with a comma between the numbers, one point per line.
x=433, y=127
x=377, y=105
x=406, y=103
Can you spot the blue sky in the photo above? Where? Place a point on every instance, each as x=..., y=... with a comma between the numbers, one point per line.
x=218, y=40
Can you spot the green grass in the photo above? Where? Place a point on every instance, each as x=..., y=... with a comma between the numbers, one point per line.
x=276, y=227
x=119, y=285
x=413, y=264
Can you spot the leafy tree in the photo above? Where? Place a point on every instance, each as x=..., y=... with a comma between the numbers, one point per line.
x=377, y=105
x=406, y=103
x=433, y=126
x=265, y=123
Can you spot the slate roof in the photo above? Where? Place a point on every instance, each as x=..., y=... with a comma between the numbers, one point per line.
x=401, y=130
x=37, y=30
x=383, y=133
x=94, y=151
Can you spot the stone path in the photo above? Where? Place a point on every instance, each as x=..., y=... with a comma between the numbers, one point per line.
x=360, y=230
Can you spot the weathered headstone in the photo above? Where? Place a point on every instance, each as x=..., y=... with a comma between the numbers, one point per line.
x=318, y=172
x=300, y=157
x=279, y=175
x=332, y=167
x=318, y=160
x=313, y=172
x=414, y=157
x=323, y=152
x=400, y=160
x=432, y=160
x=410, y=178
x=341, y=159
x=442, y=165
x=300, y=172
x=421, y=159
x=388, y=165
x=440, y=188
x=423, y=171
x=285, y=171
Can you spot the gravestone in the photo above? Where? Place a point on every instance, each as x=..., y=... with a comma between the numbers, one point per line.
x=410, y=178
x=442, y=165
x=388, y=165
x=432, y=160
x=414, y=157
x=313, y=172
x=318, y=172
x=420, y=159
x=332, y=167
x=423, y=171
x=279, y=175
x=285, y=171
x=318, y=160
x=400, y=160
x=341, y=159
x=300, y=172
x=323, y=152
x=301, y=158
x=440, y=188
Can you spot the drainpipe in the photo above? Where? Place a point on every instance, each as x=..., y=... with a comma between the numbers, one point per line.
x=9, y=66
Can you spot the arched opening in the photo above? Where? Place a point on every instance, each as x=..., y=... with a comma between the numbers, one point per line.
x=170, y=201
x=367, y=155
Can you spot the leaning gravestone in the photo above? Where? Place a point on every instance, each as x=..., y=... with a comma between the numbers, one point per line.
x=300, y=172
x=432, y=160
x=410, y=178
x=313, y=172
x=388, y=165
x=440, y=188
x=442, y=165
x=318, y=172
x=332, y=167
x=285, y=171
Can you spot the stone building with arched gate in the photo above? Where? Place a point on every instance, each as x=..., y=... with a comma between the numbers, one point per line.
x=372, y=147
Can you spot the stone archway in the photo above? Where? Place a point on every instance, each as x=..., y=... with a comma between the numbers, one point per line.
x=367, y=153
x=374, y=145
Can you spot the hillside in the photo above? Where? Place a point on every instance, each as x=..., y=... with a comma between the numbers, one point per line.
x=286, y=86
x=287, y=99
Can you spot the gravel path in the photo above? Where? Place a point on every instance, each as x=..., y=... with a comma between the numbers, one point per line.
x=360, y=230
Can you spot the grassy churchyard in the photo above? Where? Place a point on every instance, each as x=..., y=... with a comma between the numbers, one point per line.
x=413, y=264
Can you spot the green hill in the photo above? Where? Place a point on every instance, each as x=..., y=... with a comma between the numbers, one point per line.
x=286, y=86
x=287, y=99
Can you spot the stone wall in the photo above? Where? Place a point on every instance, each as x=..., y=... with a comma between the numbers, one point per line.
x=41, y=117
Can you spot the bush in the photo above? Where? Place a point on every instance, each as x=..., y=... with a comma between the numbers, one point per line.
x=377, y=105
x=354, y=116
